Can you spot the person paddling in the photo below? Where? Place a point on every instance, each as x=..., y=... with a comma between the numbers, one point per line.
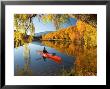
x=44, y=50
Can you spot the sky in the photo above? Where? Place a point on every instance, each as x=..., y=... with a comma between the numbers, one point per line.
x=42, y=27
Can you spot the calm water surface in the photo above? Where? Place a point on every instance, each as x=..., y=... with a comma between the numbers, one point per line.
x=28, y=62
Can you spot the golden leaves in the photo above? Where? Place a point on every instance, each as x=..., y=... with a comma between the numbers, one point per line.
x=23, y=25
x=86, y=58
x=20, y=39
x=82, y=33
x=22, y=16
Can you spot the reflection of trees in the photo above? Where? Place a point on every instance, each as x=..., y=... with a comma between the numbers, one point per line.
x=85, y=63
x=26, y=70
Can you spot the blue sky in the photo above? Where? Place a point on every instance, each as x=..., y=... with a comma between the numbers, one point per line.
x=41, y=27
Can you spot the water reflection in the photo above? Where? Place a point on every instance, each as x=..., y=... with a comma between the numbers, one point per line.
x=26, y=70
x=85, y=63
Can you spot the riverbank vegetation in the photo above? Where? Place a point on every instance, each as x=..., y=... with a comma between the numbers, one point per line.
x=82, y=36
x=82, y=33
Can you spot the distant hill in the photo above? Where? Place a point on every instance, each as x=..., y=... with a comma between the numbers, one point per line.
x=41, y=33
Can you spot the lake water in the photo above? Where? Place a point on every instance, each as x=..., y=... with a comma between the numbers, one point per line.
x=28, y=62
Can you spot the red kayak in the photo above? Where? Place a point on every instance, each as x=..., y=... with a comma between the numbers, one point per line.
x=50, y=56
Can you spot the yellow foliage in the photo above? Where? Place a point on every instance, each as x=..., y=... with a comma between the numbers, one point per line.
x=88, y=32
x=84, y=36
x=19, y=39
x=22, y=16
x=82, y=33
x=85, y=58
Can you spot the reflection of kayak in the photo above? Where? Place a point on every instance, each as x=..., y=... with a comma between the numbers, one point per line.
x=50, y=56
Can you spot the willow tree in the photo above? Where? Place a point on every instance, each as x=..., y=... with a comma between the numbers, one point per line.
x=22, y=26
x=87, y=18
x=56, y=19
x=23, y=23
x=59, y=19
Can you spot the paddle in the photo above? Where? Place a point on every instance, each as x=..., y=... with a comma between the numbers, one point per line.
x=38, y=59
